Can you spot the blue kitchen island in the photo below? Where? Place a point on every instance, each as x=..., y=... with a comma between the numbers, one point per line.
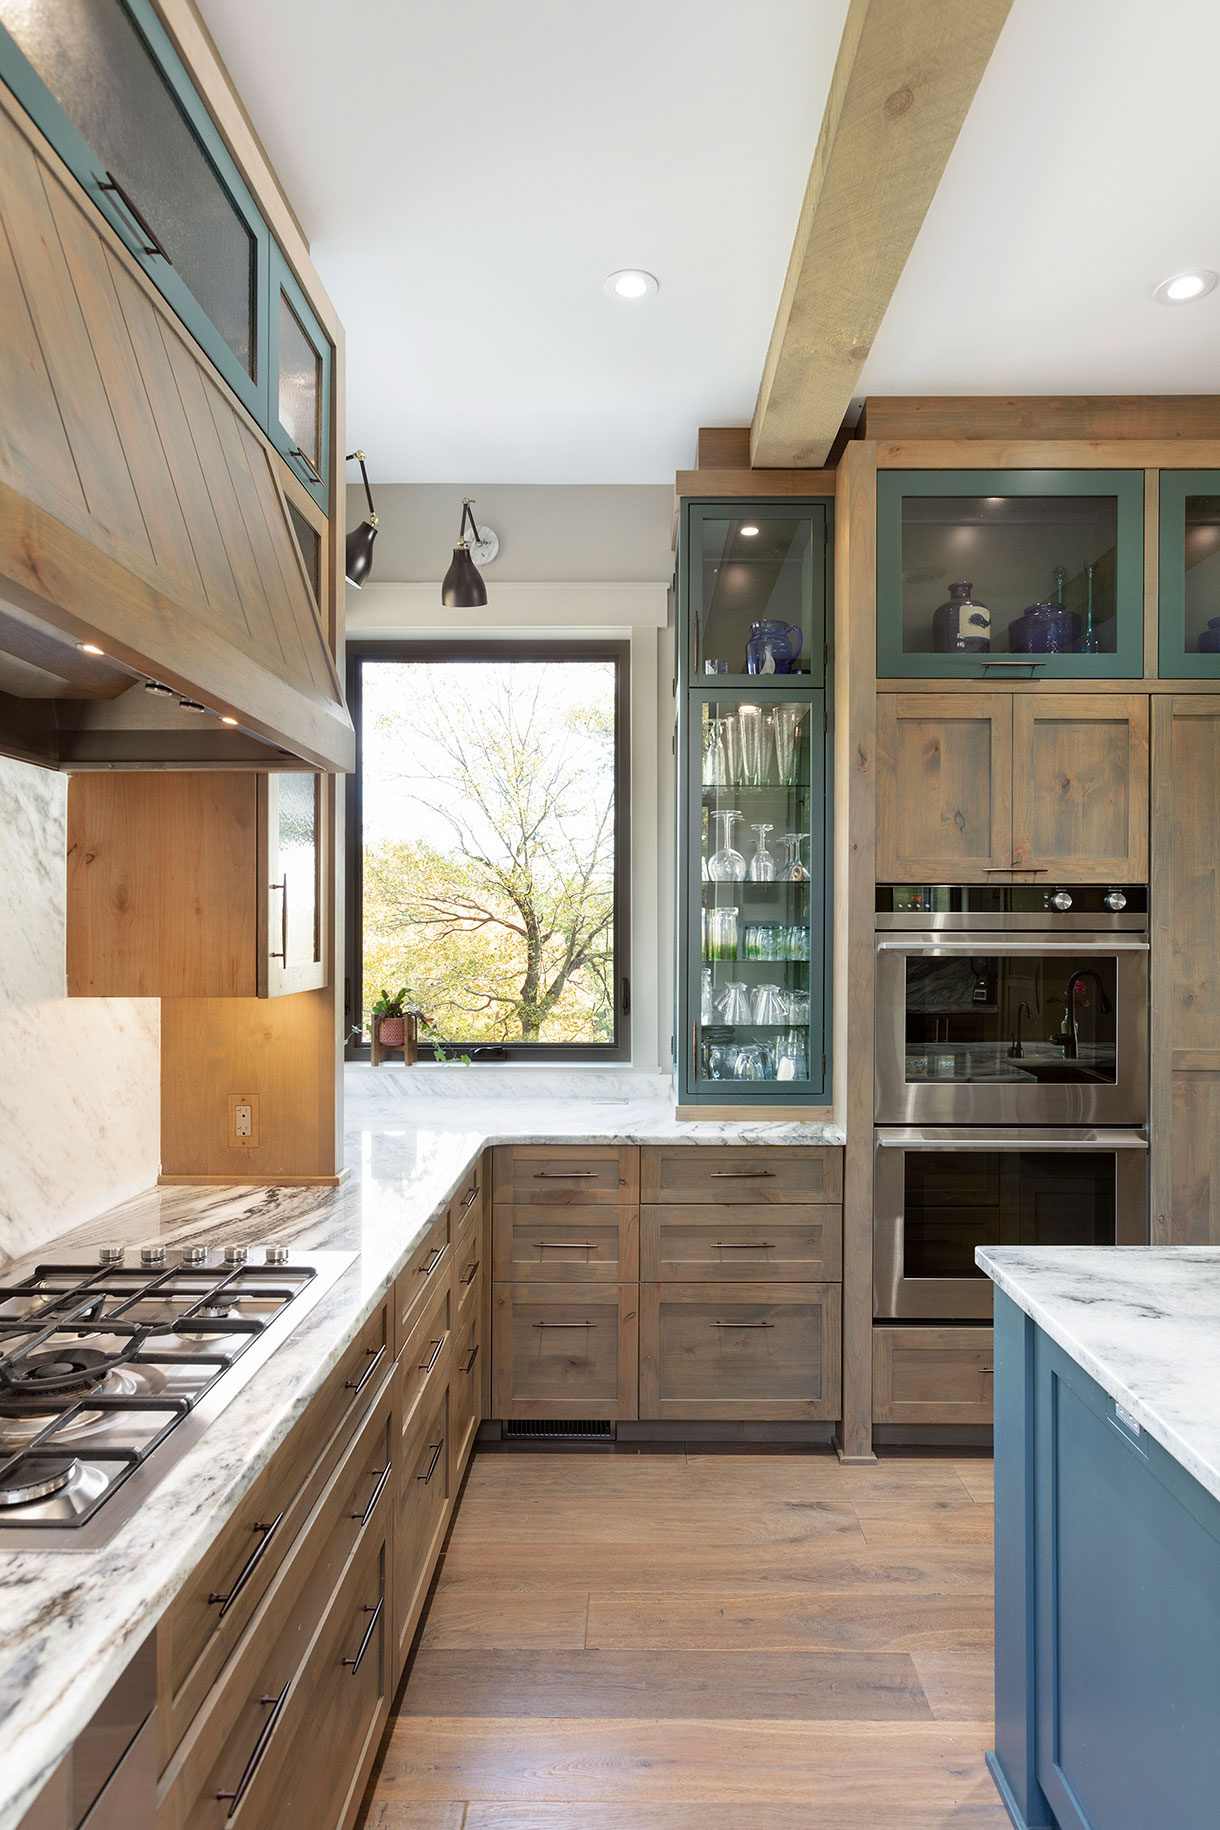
x=1107, y=1536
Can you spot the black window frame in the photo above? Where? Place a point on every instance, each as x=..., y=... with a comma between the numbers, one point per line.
x=361, y=650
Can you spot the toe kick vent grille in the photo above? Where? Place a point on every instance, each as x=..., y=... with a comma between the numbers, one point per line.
x=558, y=1429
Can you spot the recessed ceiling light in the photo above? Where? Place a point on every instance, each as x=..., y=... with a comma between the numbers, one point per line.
x=748, y=533
x=1181, y=288
x=90, y=648
x=632, y=283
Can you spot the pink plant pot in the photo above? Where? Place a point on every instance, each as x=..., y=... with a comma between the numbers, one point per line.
x=391, y=1031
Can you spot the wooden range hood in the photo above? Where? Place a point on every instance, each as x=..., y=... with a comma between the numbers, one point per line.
x=142, y=513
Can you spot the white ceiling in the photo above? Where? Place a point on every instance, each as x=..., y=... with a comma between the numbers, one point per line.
x=1088, y=170
x=469, y=171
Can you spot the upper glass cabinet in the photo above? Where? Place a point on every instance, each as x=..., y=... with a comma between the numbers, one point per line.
x=757, y=589
x=1020, y=574
x=299, y=364
x=1190, y=574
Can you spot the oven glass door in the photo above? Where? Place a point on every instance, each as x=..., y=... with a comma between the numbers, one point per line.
x=937, y=1201
x=981, y=1030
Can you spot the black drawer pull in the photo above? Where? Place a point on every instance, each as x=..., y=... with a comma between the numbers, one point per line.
x=565, y=1175
x=152, y=246
x=436, y=1448
x=470, y=1273
x=383, y=1476
x=741, y=1324
x=356, y=1386
x=434, y=1258
x=566, y=1245
x=425, y=1366
x=368, y=1634
x=471, y=1357
x=256, y=1556
x=565, y=1324
x=744, y=1245
x=260, y=1748
x=309, y=464
x=742, y=1175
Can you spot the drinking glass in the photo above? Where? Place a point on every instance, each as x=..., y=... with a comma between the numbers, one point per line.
x=752, y=729
x=798, y=1008
x=714, y=666
x=770, y=1004
x=715, y=756
x=792, y=870
x=734, y=1003
x=730, y=740
x=726, y=865
x=792, y=1062
x=786, y=732
x=762, y=864
x=707, y=1012
x=750, y=1063
x=721, y=934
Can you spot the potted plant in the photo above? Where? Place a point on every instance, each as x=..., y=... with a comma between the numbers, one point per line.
x=389, y=1018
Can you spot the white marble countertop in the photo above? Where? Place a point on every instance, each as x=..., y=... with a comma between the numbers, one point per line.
x=1143, y=1321
x=70, y=1620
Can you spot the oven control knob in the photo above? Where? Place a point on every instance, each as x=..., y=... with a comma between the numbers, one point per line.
x=236, y=1254
x=1115, y=900
x=195, y=1254
x=152, y=1255
x=111, y=1254
x=276, y=1254
x=1061, y=901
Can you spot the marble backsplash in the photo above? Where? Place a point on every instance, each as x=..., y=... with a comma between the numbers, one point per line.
x=79, y=1078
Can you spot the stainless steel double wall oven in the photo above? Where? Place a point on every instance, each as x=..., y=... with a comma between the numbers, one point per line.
x=1011, y=1081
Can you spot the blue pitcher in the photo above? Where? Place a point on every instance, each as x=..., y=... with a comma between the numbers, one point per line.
x=772, y=648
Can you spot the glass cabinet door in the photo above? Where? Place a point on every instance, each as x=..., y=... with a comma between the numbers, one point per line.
x=103, y=82
x=299, y=366
x=293, y=880
x=1010, y=574
x=756, y=589
x=755, y=896
x=1189, y=646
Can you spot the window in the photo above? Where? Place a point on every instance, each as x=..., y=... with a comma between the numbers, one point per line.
x=487, y=844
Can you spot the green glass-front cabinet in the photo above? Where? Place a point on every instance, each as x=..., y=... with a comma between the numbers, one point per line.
x=1189, y=647
x=1014, y=574
x=753, y=787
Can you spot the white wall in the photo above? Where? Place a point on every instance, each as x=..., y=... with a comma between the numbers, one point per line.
x=637, y=613
x=79, y=1078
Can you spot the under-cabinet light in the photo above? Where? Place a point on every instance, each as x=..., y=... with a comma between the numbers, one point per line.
x=90, y=648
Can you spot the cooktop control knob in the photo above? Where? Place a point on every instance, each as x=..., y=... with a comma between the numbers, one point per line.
x=1116, y=901
x=236, y=1254
x=1061, y=901
x=277, y=1254
x=195, y=1254
x=152, y=1255
x=111, y=1254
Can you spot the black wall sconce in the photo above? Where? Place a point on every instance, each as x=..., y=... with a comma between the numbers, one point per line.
x=463, y=587
x=360, y=541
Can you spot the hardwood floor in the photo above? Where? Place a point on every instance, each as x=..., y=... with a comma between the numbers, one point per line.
x=702, y=1641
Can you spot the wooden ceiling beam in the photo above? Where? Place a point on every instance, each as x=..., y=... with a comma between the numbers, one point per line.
x=903, y=81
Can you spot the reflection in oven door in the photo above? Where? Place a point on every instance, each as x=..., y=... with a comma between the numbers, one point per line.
x=940, y=1193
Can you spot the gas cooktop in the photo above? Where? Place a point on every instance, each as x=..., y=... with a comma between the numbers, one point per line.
x=110, y=1372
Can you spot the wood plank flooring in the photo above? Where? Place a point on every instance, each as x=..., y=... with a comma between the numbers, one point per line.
x=703, y=1641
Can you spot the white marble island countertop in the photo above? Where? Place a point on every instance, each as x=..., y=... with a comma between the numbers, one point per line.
x=1143, y=1321
x=71, y=1620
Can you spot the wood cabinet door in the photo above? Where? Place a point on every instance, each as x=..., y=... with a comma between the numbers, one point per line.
x=740, y=1351
x=1080, y=786
x=599, y=1245
x=932, y=1375
x=559, y=1351
x=944, y=787
x=697, y=1244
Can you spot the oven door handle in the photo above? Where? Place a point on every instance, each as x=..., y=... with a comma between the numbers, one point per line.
x=996, y=941
x=1032, y=1138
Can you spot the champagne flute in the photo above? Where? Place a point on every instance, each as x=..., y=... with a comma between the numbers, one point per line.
x=762, y=864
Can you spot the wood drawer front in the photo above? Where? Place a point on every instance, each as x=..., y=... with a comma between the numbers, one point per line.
x=352, y=1514
x=331, y=1752
x=423, y=1512
x=932, y=1375
x=468, y=1271
x=559, y=1352
x=423, y=1363
x=467, y=1397
x=466, y=1206
x=197, y=1634
x=708, y=1173
x=424, y=1269
x=694, y=1244
x=537, y=1245
x=538, y=1175
x=740, y=1352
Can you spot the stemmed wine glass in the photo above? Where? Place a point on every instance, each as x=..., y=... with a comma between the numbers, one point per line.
x=762, y=864
x=793, y=870
x=726, y=865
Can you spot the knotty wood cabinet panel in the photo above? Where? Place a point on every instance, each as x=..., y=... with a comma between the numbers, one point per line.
x=564, y=1352
x=421, y=1517
x=944, y=787
x=731, y=1244
x=710, y=1174
x=932, y=1375
x=739, y=1351
x=1080, y=786
x=536, y=1244
x=466, y=1396
x=575, y=1175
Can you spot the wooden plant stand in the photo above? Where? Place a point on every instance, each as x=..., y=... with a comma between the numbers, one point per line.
x=378, y=1050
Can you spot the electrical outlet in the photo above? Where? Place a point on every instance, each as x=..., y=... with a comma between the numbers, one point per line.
x=243, y=1121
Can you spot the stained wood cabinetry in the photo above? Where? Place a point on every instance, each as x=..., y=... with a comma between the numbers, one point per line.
x=981, y=787
x=932, y=1375
x=196, y=885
